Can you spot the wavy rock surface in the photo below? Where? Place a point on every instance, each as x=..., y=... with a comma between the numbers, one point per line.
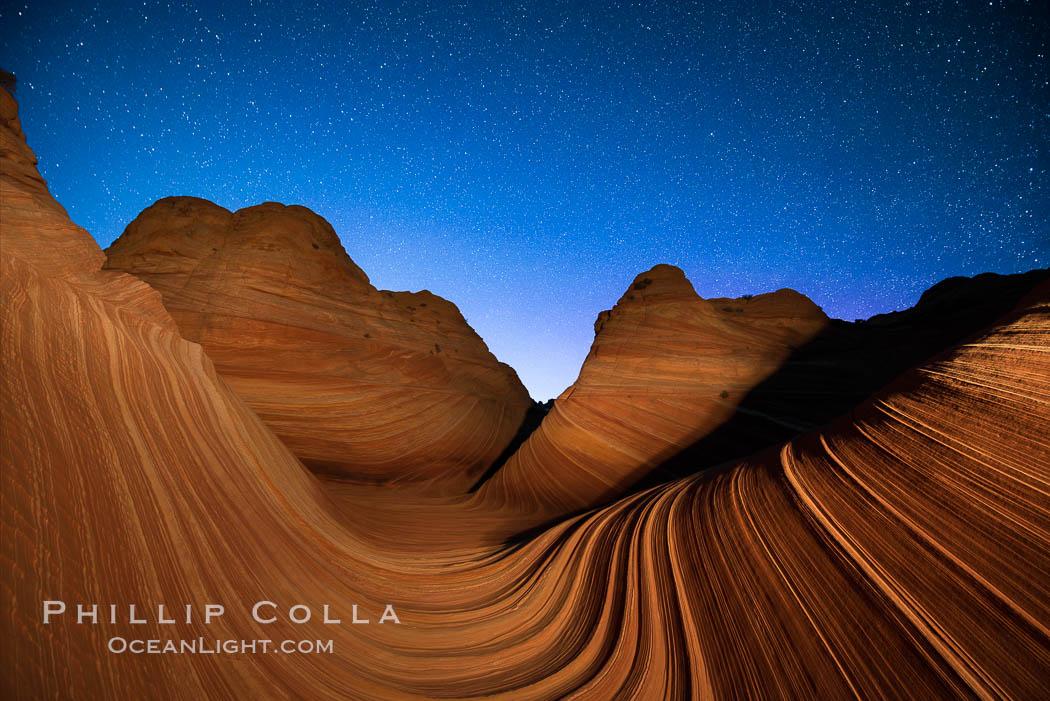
x=900, y=553
x=362, y=383
x=666, y=368
x=847, y=362
x=119, y=443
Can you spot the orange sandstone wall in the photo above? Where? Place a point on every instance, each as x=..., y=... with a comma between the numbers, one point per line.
x=665, y=369
x=360, y=383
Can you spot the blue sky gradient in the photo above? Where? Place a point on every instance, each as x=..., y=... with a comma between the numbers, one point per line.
x=527, y=160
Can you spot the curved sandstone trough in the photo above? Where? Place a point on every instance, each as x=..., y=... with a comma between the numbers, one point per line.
x=900, y=552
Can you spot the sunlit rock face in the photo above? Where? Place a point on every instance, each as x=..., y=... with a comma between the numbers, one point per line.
x=360, y=383
x=666, y=368
x=899, y=552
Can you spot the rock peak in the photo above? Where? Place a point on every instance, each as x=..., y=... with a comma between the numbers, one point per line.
x=660, y=281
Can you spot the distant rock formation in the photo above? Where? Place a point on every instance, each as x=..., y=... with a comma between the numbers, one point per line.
x=360, y=383
x=675, y=384
x=665, y=369
x=847, y=362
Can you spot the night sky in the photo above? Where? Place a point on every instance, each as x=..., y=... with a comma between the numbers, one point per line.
x=526, y=161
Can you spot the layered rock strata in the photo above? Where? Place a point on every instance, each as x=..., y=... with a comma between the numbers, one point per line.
x=360, y=383
x=900, y=552
x=666, y=369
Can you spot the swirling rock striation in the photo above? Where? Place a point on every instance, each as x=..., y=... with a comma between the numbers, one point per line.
x=120, y=448
x=645, y=409
x=900, y=552
x=360, y=383
x=847, y=362
x=666, y=368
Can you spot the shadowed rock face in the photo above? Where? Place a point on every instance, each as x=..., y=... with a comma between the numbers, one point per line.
x=360, y=383
x=899, y=552
x=665, y=369
x=847, y=362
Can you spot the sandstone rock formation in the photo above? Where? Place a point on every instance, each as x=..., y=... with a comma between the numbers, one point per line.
x=900, y=552
x=665, y=369
x=847, y=362
x=56, y=242
x=124, y=458
x=360, y=383
x=648, y=407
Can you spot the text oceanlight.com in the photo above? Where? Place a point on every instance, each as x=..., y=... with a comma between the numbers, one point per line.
x=203, y=646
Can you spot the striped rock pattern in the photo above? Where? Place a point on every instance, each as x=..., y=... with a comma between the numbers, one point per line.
x=901, y=552
x=363, y=383
x=666, y=368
